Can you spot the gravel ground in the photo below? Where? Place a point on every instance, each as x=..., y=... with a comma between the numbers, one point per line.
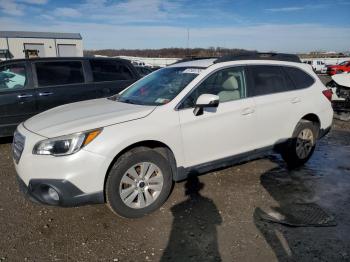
x=216, y=222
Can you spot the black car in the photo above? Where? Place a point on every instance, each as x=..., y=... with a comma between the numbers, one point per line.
x=143, y=71
x=30, y=86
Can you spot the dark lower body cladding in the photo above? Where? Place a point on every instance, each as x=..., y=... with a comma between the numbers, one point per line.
x=57, y=192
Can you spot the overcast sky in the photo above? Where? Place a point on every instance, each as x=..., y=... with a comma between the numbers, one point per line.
x=264, y=25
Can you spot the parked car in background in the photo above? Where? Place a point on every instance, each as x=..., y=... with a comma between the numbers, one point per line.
x=28, y=87
x=143, y=71
x=187, y=118
x=340, y=85
x=338, y=69
x=317, y=65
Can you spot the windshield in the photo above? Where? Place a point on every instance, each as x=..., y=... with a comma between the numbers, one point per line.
x=343, y=63
x=160, y=87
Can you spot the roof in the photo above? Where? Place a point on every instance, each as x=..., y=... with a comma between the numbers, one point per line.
x=259, y=56
x=252, y=56
x=25, y=34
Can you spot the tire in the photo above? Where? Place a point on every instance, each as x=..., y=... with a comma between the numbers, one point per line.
x=292, y=154
x=339, y=72
x=123, y=183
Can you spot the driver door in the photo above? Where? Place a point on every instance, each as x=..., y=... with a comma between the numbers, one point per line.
x=220, y=132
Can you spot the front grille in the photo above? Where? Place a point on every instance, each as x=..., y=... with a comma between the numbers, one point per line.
x=17, y=146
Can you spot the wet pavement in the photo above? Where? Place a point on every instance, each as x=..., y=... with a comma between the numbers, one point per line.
x=210, y=219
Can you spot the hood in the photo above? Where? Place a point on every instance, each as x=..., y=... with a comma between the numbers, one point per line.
x=342, y=79
x=86, y=115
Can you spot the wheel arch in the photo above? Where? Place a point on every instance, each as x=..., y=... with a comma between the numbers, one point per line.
x=312, y=118
x=158, y=146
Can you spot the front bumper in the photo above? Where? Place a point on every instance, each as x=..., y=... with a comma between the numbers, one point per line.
x=75, y=179
x=67, y=193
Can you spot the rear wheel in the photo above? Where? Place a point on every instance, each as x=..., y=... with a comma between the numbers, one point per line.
x=301, y=146
x=138, y=183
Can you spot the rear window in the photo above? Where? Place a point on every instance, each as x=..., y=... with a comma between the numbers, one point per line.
x=299, y=77
x=104, y=70
x=59, y=73
x=269, y=80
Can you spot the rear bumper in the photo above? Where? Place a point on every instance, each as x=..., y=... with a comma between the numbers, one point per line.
x=67, y=194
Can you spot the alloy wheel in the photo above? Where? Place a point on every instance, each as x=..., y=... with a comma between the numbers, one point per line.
x=305, y=142
x=141, y=185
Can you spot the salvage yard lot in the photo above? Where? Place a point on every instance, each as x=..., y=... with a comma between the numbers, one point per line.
x=218, y=223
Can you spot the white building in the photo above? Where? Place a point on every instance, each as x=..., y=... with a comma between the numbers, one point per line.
x=16, y=44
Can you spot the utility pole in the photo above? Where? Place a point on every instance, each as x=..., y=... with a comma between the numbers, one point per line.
x=188, y=41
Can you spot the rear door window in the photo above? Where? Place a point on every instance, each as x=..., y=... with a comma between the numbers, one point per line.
x=269, y=80
x=59, y=73
x=300, y=78
x=12, y=77
x=105, y=70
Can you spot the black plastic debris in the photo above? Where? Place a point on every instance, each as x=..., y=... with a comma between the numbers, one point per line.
x=298, y=215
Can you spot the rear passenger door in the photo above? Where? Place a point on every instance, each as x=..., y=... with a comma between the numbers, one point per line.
x=110, y=76
x=59, y=82
x=278, y=103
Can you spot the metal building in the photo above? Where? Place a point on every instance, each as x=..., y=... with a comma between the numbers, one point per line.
x=17, y=44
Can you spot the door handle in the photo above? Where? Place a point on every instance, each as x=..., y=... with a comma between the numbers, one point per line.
x=247, y=111
x=45, y=94
x=24, y=96
x=295, y=100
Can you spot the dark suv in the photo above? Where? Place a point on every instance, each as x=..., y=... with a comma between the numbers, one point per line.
x=30, y=86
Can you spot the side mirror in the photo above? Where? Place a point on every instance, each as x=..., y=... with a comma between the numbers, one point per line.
x=205, y=100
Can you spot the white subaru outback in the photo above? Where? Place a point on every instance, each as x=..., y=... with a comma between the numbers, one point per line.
x=193, y=116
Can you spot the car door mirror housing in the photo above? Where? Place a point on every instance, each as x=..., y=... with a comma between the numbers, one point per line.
x=205, y=100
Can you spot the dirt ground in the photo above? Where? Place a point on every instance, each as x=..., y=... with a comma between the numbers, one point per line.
x=217, y=223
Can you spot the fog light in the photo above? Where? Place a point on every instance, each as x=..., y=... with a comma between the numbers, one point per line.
x=53, y=194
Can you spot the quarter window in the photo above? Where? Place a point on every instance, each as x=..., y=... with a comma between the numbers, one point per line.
x=104, y=70
x=229, y=84
x=12, y=77
x=270, y=80
x=299, y=77
x=59, y=73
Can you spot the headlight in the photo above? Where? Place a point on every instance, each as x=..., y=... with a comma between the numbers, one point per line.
x=65, y=145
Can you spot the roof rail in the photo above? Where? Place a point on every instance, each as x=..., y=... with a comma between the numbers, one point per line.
x=193, y=58
x=259, y=56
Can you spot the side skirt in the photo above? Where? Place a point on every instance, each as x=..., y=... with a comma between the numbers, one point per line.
x=183, y=173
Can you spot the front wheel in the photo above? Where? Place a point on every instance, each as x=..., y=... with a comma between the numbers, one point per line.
x=138, y=183
x=301, y=146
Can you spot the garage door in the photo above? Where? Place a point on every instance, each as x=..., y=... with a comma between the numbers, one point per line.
x=67, y=50
x=35, y=50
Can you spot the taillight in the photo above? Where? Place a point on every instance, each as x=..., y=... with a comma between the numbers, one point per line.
x=328, y=94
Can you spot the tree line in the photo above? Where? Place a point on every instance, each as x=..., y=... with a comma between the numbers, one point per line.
x=167, y=52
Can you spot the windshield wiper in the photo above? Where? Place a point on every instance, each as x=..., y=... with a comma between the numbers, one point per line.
x=114, y=97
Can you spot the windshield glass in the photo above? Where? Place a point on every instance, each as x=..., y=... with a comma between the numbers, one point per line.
x=160, y=87
x=343, y=63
